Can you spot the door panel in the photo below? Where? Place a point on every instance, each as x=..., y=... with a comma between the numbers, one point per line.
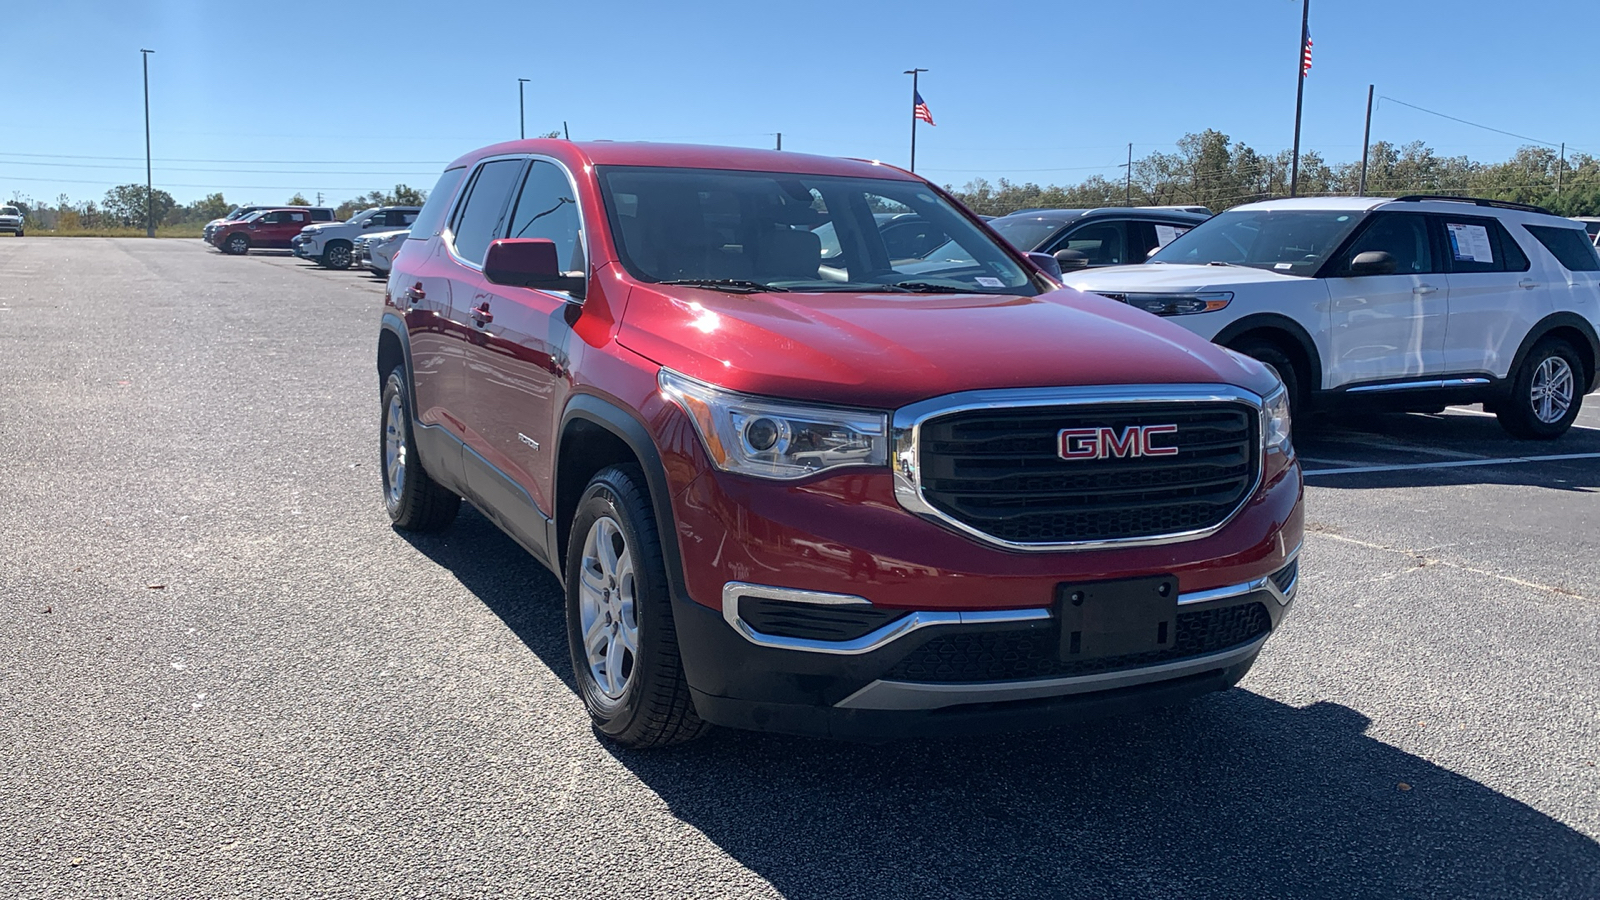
x=421, y=287
x=1388, y=326
x=1496, y=294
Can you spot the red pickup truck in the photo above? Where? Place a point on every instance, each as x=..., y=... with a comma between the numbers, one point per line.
x=843, y=494
x=267, y=228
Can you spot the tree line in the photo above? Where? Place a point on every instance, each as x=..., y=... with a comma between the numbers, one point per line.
x=125, y=206
x=1211, y=170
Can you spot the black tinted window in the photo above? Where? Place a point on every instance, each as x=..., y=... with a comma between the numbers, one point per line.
x=483, y=216
x=1401, y=235
x=548, y=208
x=322, y=215
x=1101, y=243
x=1570, y=246
x=1481, y=245
x=432, y=215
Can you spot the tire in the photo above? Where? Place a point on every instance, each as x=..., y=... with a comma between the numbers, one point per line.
x=1269, y=354
x=414, y=500
x=636, y=696
x=1546, y=392
x=336, y=255
x=236, y=245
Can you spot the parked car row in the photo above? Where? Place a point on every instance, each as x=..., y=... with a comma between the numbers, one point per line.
x=368, y=239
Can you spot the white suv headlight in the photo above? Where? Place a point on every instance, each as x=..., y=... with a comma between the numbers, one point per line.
x=1276, y=411
x=775, y=438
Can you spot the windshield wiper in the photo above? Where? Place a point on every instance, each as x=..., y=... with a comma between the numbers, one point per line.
x=929, y=287
x=731, y=285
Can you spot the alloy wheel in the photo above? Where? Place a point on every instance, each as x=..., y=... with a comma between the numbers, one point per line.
x=394, y=450
x=608, y=617
x=1551, y=390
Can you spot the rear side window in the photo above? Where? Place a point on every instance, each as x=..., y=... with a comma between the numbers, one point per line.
x=438, y=203
x=322, y=215
x=1570, y=247
x=1481, y=245
x=483, y=216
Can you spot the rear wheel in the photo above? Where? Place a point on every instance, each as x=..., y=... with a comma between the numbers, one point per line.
x=237, y=244
x=415, y=501
x=619, y=617
x=1545, y=394
x=336, y=255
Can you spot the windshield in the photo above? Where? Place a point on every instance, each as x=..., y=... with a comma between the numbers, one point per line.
x=809, y=233
x=1292, y=241
x=1025, y=234
x=9, y=211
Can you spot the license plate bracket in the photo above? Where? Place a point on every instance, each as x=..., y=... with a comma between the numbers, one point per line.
x=1114, y=618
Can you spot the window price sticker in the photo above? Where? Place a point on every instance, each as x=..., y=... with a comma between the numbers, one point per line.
x=1470, y=243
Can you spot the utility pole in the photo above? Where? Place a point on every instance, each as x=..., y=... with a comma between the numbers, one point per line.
x=1299, y=94
x=319, y=198
x=149, y=182
x=1559, y=166
x=1366, y=142
x=1128, y=184
x=913, y=73
x=522, y=112
x=780, y=140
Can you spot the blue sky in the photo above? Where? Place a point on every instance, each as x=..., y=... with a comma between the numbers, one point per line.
x=259, y=100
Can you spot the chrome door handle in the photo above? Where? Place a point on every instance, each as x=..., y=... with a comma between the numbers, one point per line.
x=1527, y=284
x=414, y=294
x=1424, y=289
x=481, y=315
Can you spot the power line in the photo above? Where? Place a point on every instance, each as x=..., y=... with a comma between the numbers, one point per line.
x=4, y=162
x=1520, y=137
x=208, y=187
x=258, y=162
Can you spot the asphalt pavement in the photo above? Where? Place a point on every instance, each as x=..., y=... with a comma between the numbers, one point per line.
x=222, y=674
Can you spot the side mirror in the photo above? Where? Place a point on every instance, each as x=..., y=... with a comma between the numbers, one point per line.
x=1373, y=262
x=370, y=222
x=1048, y=263
x=529, y=263
x=1072, y=259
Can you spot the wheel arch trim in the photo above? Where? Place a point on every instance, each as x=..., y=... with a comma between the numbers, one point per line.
x=1292, y=329
x=1543, y=328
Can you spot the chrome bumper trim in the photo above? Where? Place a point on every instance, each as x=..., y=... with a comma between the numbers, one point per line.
x=873, y=640
x=1264, y=583
x=913, y=695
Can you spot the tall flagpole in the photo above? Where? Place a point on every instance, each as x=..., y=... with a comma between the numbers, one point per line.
x=1299, y=94
x=913, y=74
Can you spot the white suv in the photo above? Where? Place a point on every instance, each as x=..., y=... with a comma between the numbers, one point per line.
x=1410, y=303
x=331, y=244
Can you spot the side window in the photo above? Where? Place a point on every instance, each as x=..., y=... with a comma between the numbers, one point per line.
x=1481, y=245
x=433, y=212
x=322, y=215
x=1403, y=236
x=1101, y=243
x=548, y=208
x=482, y=217
x=273, y=218
x=298, y=218
x=1569, y=246
x=1145, y=238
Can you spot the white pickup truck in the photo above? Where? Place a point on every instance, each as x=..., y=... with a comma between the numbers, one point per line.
x=330, y=244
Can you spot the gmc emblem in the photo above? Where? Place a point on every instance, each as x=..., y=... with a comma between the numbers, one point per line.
x=1103, y=442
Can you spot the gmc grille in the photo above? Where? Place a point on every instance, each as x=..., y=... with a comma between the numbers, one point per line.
x=1000, y=472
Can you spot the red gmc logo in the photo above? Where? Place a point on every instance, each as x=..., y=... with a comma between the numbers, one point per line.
x=1103, y=442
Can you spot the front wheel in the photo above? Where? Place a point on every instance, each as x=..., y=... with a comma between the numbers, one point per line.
x=619, y=618
x=237, y=245
x=1545, y=393
x=336, y=255
x=1270, y=355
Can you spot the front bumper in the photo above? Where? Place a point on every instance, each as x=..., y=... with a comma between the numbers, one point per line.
x=942, y=673
x=304, y=248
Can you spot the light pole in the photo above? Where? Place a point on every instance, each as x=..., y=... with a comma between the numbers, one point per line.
x=913, y=73
x=522, y=114
x=149, y=182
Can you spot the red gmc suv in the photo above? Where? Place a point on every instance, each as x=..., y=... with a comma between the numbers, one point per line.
x=267, y=228
x=846, y=495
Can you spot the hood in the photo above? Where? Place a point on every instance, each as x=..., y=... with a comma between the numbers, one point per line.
x=887, y=350
x=1170, y=277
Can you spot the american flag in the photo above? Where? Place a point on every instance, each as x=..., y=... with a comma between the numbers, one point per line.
x=920, y=110
x=1305, y=56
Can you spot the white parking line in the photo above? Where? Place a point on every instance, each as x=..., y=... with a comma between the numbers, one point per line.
x=1407, y=467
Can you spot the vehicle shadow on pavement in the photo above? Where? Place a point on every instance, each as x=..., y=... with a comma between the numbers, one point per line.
x=1231, y=795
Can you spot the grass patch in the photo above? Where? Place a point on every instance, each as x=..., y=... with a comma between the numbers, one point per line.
x=164, y=231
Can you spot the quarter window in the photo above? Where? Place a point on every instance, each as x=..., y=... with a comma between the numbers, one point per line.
x=483, y=216
x=1570, y=247
x=548, y=208
x=433, y=211
x=1401, y=235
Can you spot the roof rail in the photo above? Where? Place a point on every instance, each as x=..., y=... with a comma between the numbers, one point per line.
x=1477, y=201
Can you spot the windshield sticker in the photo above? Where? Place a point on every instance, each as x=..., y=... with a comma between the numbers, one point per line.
x=1166, y=234
x=1470, y=243
x=1283, y=266
x=986, y=281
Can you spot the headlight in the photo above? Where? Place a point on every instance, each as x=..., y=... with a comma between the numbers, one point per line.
x=1179, y=304
x=1276, y=411
x=776, y=439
